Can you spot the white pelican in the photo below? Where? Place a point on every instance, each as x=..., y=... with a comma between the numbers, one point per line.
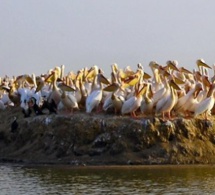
x=13, y=94
x=206, y=105
x=160, y=94
x=166, y=104
x=80, y=92
x=147, y=103
x=117, y=102
x=133, y=103
x=68, y=100
x=134, y=78
x=157, y=84
x=55, y=94
x=4, y=96
x=206, y=86
x=17, y=92
x=188, y=102
x=172, y=66
x=94, y=98
x=22, y=79
x=115, y=98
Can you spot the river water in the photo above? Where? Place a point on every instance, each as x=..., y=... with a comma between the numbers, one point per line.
x=20, y=179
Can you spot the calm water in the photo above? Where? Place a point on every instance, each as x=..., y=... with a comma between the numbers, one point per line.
x=16, y=179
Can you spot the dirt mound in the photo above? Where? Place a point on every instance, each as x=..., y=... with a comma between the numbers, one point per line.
x=103, y=139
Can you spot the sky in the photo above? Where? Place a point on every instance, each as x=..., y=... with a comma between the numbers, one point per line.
x=37, y=35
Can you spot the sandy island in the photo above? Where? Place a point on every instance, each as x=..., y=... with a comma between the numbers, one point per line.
x=104, y=139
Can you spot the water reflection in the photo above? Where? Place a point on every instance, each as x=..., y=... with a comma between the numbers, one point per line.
x=107, y=180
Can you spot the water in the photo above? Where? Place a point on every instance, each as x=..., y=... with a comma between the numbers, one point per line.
x=16, y=179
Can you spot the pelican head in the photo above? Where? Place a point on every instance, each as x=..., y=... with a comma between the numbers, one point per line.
x=201, y=63
x=154, y=64
x=172, y=64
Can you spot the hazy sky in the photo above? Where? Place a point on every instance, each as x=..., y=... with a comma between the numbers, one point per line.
x=37, y=35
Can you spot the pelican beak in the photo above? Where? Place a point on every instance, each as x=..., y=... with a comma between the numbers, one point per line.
x=166, y=74
x=200, y=62
x=146, y=76
x=65, y=87
x=172, y=66
x=90, y=73
x=174, y=85
x=113, y=77
x=59, y=80
x=104, y=80
x=112, y=87
x=178, y=81
x=78, y=76
x=122, y=74
x=132, y=80
x=184, y=70
x=114, y=68
x=85, y=72
x=50, y=78
x=142, y=90
x=39, y=86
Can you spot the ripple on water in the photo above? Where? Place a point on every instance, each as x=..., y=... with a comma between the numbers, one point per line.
x=97, y=180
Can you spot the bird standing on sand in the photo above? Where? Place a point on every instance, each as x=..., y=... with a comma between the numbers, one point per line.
x=36, y=108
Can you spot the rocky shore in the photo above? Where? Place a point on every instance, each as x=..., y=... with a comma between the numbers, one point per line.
x=104, y=139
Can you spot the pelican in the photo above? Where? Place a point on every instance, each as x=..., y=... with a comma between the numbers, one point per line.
x=4, y=96
x=68, y=100
x=22, y=79
x=147, y=103
x=80, y=92
x=134, y=78
x=188, y=102
x=171, y=66
x=156, y=80
x=117, y=102
x=160, y=94
x=55, y=94
x=206, y=105
x=133, y=103
x=166, y=104
x=206, y=86
x=13, y=94
x=116, y=98
x=94, y=98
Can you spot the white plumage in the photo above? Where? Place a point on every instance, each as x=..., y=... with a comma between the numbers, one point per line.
x=93, y=100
